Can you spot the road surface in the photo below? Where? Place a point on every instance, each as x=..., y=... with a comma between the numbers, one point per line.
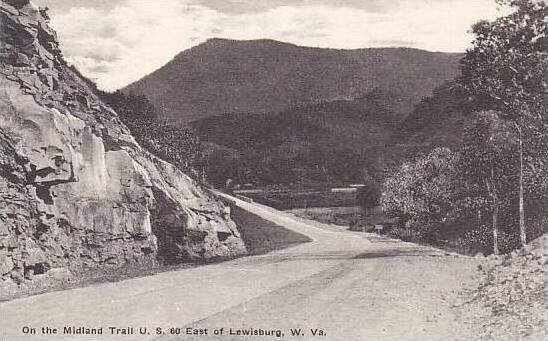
x=343, y=286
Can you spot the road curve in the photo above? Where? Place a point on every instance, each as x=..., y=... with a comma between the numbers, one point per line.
x=349, y=285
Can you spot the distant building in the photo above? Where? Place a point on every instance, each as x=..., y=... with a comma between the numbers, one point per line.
x=249, y=191
x=356, y=185
x=344, y=190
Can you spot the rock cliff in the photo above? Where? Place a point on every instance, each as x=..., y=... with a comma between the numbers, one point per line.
x=77, y=192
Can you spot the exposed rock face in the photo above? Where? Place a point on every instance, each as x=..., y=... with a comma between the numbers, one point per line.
x=76, y=191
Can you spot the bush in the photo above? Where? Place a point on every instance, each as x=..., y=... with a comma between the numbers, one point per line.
x=481, y=240
x=406, y=234
x=422, y=192
x=368, y=196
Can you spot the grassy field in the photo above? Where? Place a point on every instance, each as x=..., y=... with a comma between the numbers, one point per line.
x=352, y=216
x=290, y=199
x=346, y=216
x=261, y=236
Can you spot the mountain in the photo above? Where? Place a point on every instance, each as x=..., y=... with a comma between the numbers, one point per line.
x=347, y=123
x=437, y=120
x=264, y=76
x=78, y=194
x=334, y=142
x=329, y=142
x=277, y=113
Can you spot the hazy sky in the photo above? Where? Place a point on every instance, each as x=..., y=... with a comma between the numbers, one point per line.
x=116, y=42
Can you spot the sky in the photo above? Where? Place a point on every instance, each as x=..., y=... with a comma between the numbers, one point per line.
x=116, y=42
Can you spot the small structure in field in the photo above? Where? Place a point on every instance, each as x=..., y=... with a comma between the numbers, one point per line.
x=356, y=185
x=344, y=190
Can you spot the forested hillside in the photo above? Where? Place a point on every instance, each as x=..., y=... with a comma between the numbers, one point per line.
x=264, y=76
x=329, y=142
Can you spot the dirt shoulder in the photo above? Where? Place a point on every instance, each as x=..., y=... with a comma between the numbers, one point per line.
x=509, y=301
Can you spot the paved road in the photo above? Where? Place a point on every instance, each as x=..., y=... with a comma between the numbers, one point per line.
x=349, y=285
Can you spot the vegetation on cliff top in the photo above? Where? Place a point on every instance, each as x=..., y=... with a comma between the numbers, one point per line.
x=174, y=143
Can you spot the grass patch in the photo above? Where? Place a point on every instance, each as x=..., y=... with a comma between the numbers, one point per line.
x=345, y=216
x=352, y=216
x=261, y=236
x=291, y=199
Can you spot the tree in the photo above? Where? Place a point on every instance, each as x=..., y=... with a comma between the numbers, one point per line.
x=504, y=71
x=422, y=192
x=369, y=195
x=485, y=165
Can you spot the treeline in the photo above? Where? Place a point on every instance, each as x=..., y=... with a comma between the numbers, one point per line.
x=321, y=144
x=171, y=142
x=490, y=191
x=310, y=168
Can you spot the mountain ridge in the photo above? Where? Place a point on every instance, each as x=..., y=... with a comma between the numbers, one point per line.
x=223, y=76
x=215, y=40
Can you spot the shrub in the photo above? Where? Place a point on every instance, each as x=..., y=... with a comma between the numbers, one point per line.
x=406, y=234
x=422, y=192
x=481, y=240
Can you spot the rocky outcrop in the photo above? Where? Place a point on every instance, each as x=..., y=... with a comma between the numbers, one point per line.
x=76, y=191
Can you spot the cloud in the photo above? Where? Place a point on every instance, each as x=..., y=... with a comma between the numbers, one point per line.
x=61, y=6
x=255, y=6
x=120, y=43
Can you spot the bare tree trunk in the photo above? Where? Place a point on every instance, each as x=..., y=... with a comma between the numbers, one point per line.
x=496, y=250
x=522, y=230
x=492, y=189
